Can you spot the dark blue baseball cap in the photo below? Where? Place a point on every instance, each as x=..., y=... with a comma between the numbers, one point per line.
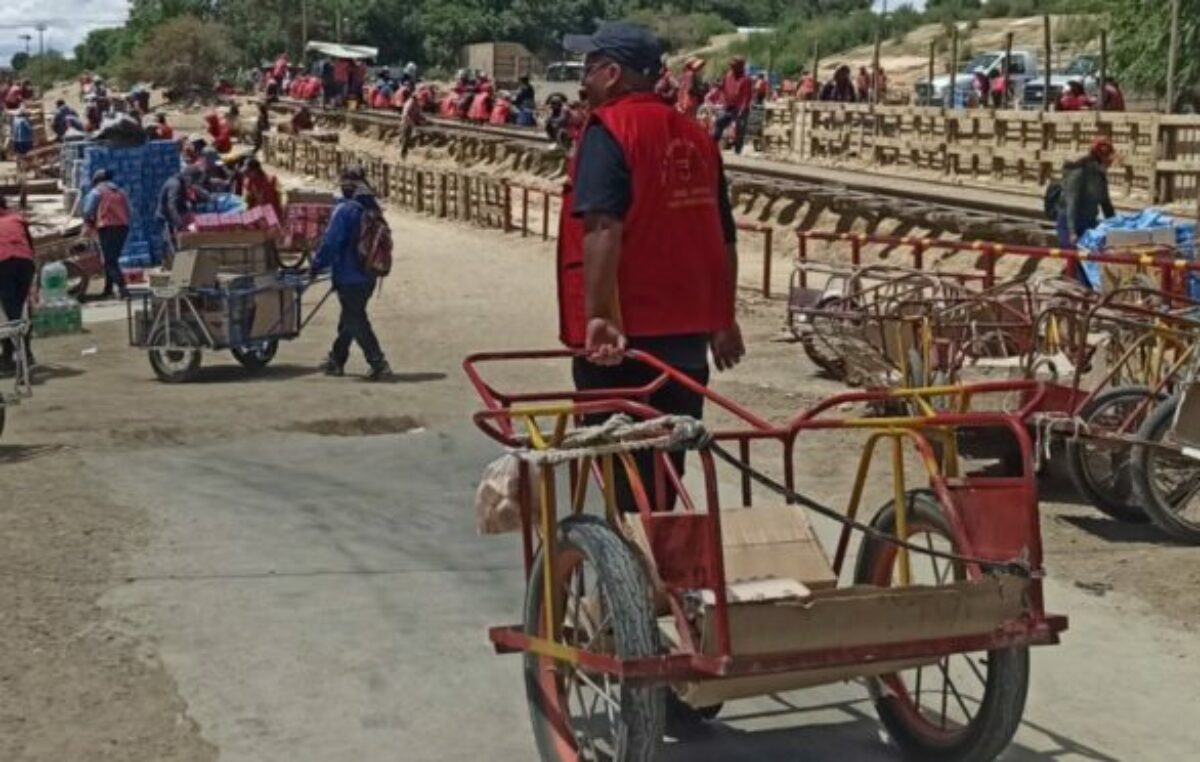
x=626, y=43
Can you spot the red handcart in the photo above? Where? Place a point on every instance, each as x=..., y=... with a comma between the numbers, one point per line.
x=634, y=616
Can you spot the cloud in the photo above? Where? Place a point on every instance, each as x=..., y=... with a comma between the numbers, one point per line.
x=67, y=22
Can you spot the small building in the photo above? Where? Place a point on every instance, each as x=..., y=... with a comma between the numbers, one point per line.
x=504, y=62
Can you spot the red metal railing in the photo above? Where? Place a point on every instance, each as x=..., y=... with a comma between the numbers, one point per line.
x=1162, y=258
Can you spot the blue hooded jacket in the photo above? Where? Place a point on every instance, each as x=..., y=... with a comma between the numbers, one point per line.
x=339, y=246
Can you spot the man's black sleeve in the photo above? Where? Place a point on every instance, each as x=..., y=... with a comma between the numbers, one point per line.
x=725, y=206
x=603, y=184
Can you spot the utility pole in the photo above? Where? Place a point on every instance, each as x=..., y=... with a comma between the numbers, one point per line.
x=27, y=37
x=41, y=30
x=303, y=26
x=1172, y=55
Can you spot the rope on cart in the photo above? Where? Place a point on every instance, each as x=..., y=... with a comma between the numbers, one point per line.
x=620, y=433
x=1015, y=567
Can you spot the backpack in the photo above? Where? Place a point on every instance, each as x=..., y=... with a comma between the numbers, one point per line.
x=374, y=244
x=1051, y=200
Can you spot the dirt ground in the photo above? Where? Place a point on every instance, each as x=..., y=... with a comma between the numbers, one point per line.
x=75, y=684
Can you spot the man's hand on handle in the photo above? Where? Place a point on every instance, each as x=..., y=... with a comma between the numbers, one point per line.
x=728, y=347
x=605, y=342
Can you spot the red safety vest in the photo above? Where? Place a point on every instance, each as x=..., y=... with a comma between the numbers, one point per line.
x=113, y=210
x=480, y=110
x=14, y=237
x=501, y=112
x=449, y=106
x=674, y=276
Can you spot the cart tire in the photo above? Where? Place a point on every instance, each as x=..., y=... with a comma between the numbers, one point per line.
x=999, y=698
x=622, y=591
x=77, y=280
x=1156, y=474
x=1111, y=492
x=683, y=718
x=177, y=365
x=254, y=357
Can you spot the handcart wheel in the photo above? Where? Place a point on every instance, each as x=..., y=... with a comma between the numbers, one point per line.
x=604, y=606
x=257, y=355
x=1102, y=471
x=1167, y=482
x=77, y=280
x=179, y=363
x=963, y=707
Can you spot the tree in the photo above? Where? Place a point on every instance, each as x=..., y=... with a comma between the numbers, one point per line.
x=20, y=61
x=183, y=54
x=1139, y=52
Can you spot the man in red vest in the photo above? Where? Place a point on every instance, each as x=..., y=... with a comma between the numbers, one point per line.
x=647, y=253
x=736, y=95
x=106, y=214
x=16, y=276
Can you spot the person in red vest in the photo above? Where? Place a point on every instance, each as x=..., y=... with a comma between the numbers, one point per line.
x=502, y=110
x=261, y=189
x=735, y=104
x=411, y=118
x=165, y=131
x=1074, y=98
x=449, y=105
x=425, y=96
x=691, y=89
x=218, y=128
x=401, y=96
x=16, y=277
x=1114, y=99
x=106, y=217
x=808, y=86
x=341, y=80
x=280, y=69
x=481, y=104
x=647, y=255
x=13, y=97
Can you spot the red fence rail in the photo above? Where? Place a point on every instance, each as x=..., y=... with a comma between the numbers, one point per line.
x=1161, y=258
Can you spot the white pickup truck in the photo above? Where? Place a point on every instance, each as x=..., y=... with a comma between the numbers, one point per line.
x=1084, y=68
x=938, y=93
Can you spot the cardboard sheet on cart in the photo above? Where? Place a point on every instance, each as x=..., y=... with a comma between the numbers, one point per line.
x=857, y=616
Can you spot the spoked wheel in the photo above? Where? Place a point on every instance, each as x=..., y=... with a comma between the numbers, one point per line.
x=604, y=606
x=959, y=708
x=256, y=356
x=179, y=362
x=1102, y=470
x=1166, y=481
x=77, y=280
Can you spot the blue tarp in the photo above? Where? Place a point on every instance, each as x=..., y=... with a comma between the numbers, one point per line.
x=1096, y=240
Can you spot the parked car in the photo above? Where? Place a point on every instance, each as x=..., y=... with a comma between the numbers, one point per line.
x=1084, y=68
x=938, y=93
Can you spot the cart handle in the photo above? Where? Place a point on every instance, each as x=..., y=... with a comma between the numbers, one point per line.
x=495, y=399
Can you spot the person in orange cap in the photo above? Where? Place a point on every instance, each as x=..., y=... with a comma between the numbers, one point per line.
x=691, y=88
x=1085, y=192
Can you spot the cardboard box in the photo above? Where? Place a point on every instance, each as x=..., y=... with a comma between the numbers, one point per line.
x=193, y=268
x=763, y=543
x=274, y=313
x=858, y=616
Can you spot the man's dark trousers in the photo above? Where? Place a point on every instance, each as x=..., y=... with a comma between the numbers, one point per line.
x=354, y=325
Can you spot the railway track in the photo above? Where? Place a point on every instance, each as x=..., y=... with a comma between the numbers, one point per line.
x=995, y=215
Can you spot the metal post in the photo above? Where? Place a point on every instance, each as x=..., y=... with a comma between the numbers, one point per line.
x=1172, y=55
x=766, y=290
x=545, y=215
x=303, y=26
x=1008, y=41
x=1103, y=67
x=802, y=257
x=952, y=91
x=41, y=30
x=524, y=211
x=856, y=251
x=875, y=72
x=817, y=65
x=1049, y=53
x=932, y=62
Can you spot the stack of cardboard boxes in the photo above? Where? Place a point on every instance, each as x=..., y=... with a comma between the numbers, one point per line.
x=234, y=282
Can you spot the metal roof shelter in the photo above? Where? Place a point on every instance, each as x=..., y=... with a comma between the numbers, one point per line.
x=338, y=50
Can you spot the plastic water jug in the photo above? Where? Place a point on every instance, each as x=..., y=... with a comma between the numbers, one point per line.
x=54, y=281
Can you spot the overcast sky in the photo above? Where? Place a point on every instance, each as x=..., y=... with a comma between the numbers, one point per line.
x=67, y=22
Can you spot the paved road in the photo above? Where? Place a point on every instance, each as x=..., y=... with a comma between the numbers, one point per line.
x=325, y=598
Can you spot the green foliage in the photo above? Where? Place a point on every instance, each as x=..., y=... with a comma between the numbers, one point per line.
x=681, y=32
x=1138, y=54
x=19, y=61
x=183, y=54
x=1077, y=30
